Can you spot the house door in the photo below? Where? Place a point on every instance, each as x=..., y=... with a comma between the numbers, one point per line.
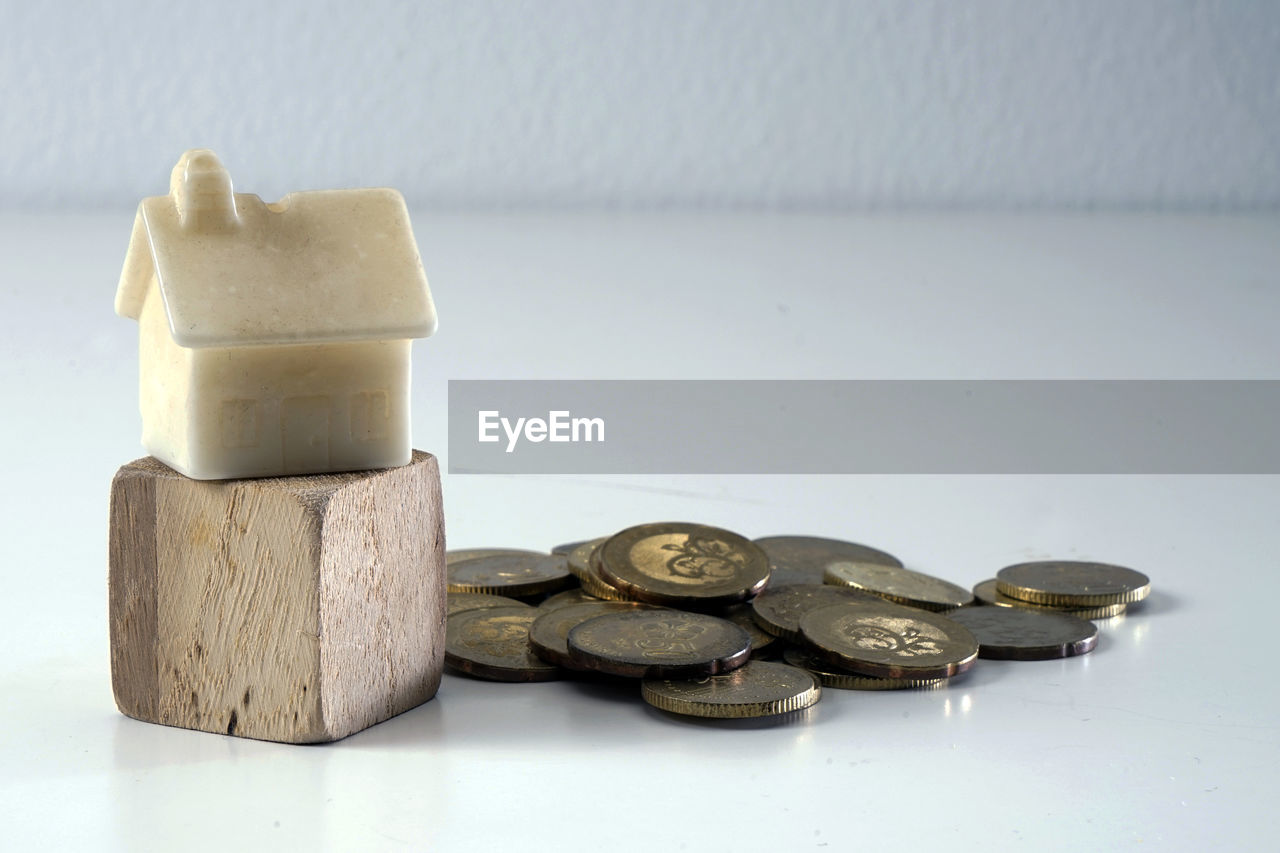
x=304, y=422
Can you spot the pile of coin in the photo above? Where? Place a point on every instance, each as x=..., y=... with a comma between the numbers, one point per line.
x=715, y=625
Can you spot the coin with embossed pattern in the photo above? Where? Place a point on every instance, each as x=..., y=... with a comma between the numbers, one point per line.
x=889, y=640
x=1072, y=583
x=778, y=609
x=986, y=593
x=461, y=555
x=832, y=676
x=804, y=559
x=549, y=634
x=493, y=643
x=658, y=643
x=683, y=565
x=1016, y=633
x=898, y=584
x=510, y=574
x=456, y=602
x=757, y=689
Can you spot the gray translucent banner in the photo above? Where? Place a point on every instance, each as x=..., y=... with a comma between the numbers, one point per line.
x=864, y=427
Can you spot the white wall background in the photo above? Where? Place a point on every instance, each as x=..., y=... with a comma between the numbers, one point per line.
x=651, y=102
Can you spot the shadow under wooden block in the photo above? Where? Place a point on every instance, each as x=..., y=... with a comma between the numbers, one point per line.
x=292, y=609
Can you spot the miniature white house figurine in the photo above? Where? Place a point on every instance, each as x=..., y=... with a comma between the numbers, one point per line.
x=274, y=338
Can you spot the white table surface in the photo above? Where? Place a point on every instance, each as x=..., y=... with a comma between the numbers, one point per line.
x=1165, y=737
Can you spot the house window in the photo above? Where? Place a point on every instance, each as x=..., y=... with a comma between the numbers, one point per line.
x=370, y=416
x=240, y=423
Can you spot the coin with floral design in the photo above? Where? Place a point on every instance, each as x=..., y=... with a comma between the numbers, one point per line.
x=889, y=640
x=1016, y=633
x=757, y=689
x=493, y=643
x=1072, y=583
x=683, y=565
x=510, y=574
x=658, y=643
x=804, y=559
x=898, y=584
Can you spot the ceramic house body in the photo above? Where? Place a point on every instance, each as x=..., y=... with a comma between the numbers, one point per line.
x=274, y=338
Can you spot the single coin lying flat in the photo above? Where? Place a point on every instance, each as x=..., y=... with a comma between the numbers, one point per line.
x=493, y=643
x=757, y=689
x=889, y=640
x=903, y=586
x=658, y=643
x=679, y=564
x=1073, y=584
x=510, y=574
x=1015, y=633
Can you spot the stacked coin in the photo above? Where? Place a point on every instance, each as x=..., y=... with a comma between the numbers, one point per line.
x=694, y=612
x=1082, y=589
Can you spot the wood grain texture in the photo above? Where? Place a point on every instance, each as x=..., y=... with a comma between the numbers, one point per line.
x=293, y=609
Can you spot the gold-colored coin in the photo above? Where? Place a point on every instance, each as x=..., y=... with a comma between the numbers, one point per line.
x=1018, y=633
x=456, y=602
x=778, y=609
x=757, y=689
x=1073, y=583
x=683, y=565
x=567, y=548
x=510, y=574
x=579, y=559
x=889, y=640
x=596, y=586
x=762, y=642
x=804, y=559
x=493, y=643
x=549, y=633
x=833, y=676
x=658, y=643
x=900, y=585
x=986, y=593
x=463, y=554
x=566, y=598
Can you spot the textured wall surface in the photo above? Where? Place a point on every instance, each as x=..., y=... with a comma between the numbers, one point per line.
x=779, y=104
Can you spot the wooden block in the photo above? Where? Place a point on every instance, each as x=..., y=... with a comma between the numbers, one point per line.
x=292, y=609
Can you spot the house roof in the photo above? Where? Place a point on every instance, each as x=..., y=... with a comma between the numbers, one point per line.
x=333, y=265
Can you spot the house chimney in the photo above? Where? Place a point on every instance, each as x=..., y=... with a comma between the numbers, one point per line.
x=201, y=190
